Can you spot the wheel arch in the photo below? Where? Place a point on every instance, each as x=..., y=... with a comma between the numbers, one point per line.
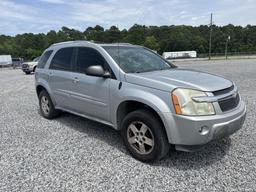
x=34, y=68
x=40, y=87
x=127, y=106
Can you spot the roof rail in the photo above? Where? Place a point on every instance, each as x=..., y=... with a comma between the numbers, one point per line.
x=81, y=41
x=67, y=42
x=121, y=43
x=60, y=43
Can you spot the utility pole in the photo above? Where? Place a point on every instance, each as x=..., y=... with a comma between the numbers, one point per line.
x=210, y=40
x=226, y=47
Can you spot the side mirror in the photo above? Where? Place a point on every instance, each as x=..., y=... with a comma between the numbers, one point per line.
x=98, y=71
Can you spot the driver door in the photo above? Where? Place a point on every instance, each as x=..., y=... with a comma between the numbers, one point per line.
x=90, y=94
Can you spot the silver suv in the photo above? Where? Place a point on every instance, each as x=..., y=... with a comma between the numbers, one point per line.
x=134, y=90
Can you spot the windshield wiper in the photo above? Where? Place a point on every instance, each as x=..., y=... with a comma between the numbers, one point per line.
x=149, y=70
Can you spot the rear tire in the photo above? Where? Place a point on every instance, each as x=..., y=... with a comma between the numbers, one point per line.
x=47, y=108
x=144, y=136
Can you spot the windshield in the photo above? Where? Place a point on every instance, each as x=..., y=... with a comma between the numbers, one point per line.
x=36, y=59
x=136, y=59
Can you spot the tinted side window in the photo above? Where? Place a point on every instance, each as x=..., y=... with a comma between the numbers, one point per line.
x=87, y=57
x=62, y=59
x=43, y=59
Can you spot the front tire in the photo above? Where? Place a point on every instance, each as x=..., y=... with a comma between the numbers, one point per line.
x=46, y=106
x=143, y=136
x=27, y=72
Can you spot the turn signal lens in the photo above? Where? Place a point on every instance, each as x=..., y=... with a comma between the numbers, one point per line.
x=176, y=104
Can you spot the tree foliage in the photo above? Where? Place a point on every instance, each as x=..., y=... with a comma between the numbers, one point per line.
x=163, y=38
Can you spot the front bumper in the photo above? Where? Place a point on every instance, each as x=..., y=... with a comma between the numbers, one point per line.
x=188, y=131
x=27, y=69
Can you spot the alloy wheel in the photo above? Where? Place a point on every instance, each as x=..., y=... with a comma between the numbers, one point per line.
x=140, y=137
x=45, y=105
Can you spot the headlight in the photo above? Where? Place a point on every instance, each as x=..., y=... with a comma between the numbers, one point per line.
x=184, y=105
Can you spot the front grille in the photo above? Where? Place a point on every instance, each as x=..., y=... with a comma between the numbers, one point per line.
x=24, y=66
x=223, y=91
x=229, y=103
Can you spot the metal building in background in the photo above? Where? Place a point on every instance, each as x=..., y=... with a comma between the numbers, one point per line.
x=179, y=54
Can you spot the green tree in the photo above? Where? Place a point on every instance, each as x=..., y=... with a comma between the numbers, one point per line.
x=160, y=38
x=151, y=43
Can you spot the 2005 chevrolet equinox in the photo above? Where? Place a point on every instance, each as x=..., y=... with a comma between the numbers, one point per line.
x=152, y=102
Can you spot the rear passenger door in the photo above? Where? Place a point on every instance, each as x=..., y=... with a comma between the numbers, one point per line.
x=90, y=93
x=60, y=79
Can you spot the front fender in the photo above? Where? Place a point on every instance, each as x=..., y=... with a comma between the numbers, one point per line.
x=157, y=100
x=151, y=100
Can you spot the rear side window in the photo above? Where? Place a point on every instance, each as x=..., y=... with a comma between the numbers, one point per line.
x=87, y=57
x=43, y=59
x=62, y=59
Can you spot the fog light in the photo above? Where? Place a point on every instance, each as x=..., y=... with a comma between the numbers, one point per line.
x=204, y=130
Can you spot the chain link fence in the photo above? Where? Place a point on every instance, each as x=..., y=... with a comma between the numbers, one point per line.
x=233, y=55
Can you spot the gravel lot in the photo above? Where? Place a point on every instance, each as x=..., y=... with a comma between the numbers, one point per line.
x=75, y=154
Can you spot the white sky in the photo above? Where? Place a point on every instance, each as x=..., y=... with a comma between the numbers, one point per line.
x=37, y=16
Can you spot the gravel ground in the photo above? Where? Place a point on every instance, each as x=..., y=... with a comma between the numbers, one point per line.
x=75, y=154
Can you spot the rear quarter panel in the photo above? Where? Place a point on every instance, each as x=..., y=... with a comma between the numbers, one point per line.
x=41, y=79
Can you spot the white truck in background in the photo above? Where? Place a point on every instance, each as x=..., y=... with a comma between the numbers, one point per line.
x=5, y=60
x=28, y=67
x=180, y=54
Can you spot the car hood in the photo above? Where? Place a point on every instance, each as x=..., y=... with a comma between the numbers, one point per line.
x=168, y=80
x=30, y=63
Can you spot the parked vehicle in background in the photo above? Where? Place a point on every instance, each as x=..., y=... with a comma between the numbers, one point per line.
x=17, y=62
x=5, y=60
x=180, y=54
x=134, y=90
x=28, y=67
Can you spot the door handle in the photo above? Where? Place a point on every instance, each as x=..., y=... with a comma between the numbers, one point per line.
x=75, y=80
x=50, y=74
